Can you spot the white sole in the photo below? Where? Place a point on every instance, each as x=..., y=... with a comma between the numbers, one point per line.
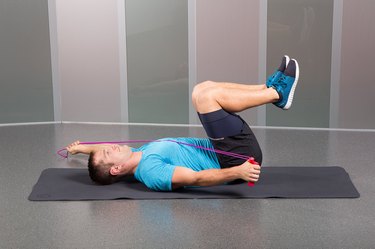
x=291, y=94
x=287, y=61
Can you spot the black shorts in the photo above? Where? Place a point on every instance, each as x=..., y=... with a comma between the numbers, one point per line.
x=229, y=132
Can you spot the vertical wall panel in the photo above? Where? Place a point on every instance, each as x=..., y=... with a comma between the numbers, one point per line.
x=228, y=43
x=303, y=30
x=88, y=60
x=357, y=85
x=157, y=59
x=335, y=63
x=25, y=62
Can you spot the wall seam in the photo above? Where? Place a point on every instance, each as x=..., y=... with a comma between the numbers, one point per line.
x=262, y=59
x=336, y=63
x=192, y=34
x=52, y=17
x=121, y=15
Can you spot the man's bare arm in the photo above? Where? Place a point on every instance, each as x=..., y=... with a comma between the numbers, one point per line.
x=76, y=148
x=187, y=177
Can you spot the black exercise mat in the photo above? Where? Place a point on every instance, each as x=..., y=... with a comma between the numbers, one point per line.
x=275, y=182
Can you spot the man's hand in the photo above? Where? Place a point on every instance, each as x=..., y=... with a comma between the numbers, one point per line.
x=74, y=148
x=249, y=172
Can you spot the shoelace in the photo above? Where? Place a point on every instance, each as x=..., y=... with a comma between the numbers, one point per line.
x=281, y=82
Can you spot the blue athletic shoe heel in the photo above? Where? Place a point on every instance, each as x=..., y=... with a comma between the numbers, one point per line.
x=279, y=72
x=286, y=85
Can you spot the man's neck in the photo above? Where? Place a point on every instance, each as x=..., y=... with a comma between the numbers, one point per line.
x=132, y=163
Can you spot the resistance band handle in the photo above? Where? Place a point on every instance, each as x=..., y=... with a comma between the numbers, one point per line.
x=252, y=161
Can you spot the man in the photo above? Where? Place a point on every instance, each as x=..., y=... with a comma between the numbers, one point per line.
x=165, y=165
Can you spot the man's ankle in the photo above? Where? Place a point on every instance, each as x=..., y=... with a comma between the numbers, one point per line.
x=275, y=94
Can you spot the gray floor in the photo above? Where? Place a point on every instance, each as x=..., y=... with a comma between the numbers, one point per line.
x=268, y=223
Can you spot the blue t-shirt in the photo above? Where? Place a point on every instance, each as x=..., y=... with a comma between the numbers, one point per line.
x=159, y=159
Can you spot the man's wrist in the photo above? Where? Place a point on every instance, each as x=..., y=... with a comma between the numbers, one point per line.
x=233, y=173
x=237, y=172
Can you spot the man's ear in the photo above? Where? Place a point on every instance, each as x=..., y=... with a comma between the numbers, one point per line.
x=115, y=170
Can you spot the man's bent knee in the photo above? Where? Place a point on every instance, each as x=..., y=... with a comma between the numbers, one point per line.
x=206, y=100
x=203, y=85
x=199, y=90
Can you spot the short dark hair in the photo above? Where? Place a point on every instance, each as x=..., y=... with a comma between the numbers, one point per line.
x=99, y=172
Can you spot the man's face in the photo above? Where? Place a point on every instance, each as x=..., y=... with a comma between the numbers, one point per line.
x=113, y=154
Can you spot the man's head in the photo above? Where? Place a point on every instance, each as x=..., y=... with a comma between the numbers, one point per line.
x=108, y=164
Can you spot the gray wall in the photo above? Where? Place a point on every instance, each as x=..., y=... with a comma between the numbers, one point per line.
x=88, y=59
x=25, y=62
x=357, y=82
x=157, y=61
x=332, y=40
x=227, y=36
x=303, y=30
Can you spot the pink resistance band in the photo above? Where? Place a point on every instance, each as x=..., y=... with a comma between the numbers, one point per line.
x=249, y=159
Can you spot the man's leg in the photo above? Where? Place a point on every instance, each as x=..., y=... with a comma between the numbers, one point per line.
x=211, y=96
x=228, y=131
x=217, y=102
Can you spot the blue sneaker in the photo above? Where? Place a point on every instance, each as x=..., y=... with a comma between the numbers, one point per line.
x=286, y=85
x=279, y=72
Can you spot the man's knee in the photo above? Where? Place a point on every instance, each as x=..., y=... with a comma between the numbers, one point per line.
x=205, y=93
x=198, y=88
x=201, y=90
